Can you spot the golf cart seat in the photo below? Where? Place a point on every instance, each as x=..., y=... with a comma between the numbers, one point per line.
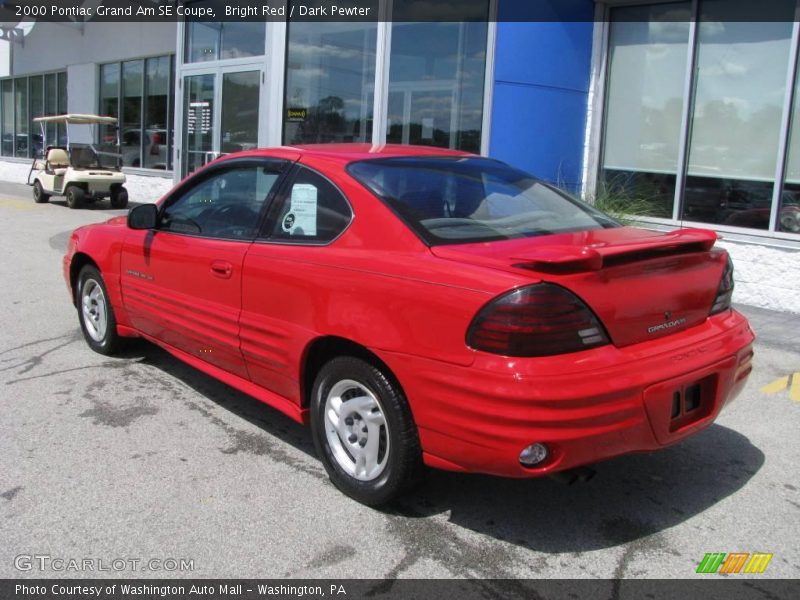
x=57, y=160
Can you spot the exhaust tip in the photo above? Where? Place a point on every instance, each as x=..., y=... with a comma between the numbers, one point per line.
x=571, y=476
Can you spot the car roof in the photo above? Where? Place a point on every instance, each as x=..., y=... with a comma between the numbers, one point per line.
x=351, y=152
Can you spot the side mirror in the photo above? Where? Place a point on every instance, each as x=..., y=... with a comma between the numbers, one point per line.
x=143, y=217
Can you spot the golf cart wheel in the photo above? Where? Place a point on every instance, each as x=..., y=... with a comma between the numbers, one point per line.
x=75, y=197
x=119, y=197
x=38, y=193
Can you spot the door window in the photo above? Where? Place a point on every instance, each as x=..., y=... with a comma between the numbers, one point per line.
x=226, y=204
x=311, y=210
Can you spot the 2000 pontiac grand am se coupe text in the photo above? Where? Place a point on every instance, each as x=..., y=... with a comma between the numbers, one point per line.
x=421, y=306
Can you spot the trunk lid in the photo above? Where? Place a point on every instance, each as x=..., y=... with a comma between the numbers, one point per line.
x=641, y=284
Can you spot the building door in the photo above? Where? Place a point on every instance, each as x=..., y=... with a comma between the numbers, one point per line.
x=220, y=114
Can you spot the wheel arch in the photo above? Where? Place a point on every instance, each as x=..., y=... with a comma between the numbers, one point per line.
x=325, y=348
x=79, y=260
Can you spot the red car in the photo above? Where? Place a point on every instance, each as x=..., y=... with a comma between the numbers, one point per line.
x=419, y=307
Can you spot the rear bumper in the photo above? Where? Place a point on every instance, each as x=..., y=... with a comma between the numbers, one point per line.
x=586, y=407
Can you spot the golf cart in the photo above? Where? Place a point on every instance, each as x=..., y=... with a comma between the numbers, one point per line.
x=80, y=172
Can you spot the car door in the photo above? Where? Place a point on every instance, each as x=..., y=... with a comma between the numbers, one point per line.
x=181, y=283
x=282, y=282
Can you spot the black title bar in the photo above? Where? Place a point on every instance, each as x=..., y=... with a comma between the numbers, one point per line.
x=14, y=11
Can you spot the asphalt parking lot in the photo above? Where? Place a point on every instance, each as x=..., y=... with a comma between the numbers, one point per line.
x=141, y=457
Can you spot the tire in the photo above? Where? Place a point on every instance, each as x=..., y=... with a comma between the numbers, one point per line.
x=119, y=197
x=95, y=313
x=38, y=193
x=75, y=197
x=358, y=411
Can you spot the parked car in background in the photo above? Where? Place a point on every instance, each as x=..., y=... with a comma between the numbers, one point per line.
x=420, y=306
x=154, y=149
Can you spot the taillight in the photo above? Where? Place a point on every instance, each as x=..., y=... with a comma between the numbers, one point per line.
x=537, y=320
x=723, y=300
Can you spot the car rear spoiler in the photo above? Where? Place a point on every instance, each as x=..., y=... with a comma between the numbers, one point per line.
x=569, y=259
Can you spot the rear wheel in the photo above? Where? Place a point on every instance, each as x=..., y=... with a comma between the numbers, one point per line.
x=98, y=324
x=363, y=431
x=38, y=193
x=119, y=197
x=75, y=197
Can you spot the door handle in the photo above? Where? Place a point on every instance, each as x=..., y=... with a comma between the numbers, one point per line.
x=221, y=268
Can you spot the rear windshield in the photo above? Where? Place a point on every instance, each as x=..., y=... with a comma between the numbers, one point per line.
x=461, y=200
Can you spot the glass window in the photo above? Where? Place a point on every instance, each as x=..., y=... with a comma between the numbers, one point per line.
x=313, y=210
x=207, y=41
x=226, y=205
x=647, y=52
x=7, y=91
x=51, y=106
x=436, y=80
x=789, y=211
x=37, y=110
x=157, y=133
x=131, y=114
x=738, y=104
x=62, y=106
x=21, y=116
x=456, y=201
x=198, y=115
x=330, y=79
x=240, y=94
x=139, y=93
x=109, y=102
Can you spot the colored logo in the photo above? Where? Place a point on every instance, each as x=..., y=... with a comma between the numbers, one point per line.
x=735, y=562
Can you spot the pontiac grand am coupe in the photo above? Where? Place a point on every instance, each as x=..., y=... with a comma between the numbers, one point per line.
x=419, y=307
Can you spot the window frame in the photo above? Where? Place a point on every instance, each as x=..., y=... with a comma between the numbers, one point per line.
x=265, y=235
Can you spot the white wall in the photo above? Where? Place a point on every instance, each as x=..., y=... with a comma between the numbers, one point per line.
x=81, y=97
x=56, y=46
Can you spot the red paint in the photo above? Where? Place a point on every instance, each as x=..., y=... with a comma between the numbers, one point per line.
x=247, y=313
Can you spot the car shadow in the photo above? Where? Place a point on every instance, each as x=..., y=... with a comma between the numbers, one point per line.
x=103, y=204
x=630, y=498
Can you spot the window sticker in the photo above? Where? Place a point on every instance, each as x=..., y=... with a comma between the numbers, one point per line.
x=302, y=216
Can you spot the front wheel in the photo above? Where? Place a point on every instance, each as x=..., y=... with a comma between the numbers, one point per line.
x=38, y=193
x=363, y=431
x=119, y=197
x=96, y=315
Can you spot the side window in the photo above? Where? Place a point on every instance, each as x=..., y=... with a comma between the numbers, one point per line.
x=311, y=210
x=227, y=204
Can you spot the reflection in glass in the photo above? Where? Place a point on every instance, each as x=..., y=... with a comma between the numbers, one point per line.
x=330, y=78
x=436, y=79
x=109, y=103
x=647, y=68
x=739, y=94
x=240, y=94
x=222, y=41
x=131, y=117
x=21, y=116
x=198, y=115
x=62, y=106
x=50, y=105
x=157, y=133
x=7, y=91
x=789, y=212
x=36, y=84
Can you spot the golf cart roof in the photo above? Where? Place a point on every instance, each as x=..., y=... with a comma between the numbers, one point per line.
x=77, y=119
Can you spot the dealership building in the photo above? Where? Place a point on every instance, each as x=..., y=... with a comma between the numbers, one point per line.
x=679, y=112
